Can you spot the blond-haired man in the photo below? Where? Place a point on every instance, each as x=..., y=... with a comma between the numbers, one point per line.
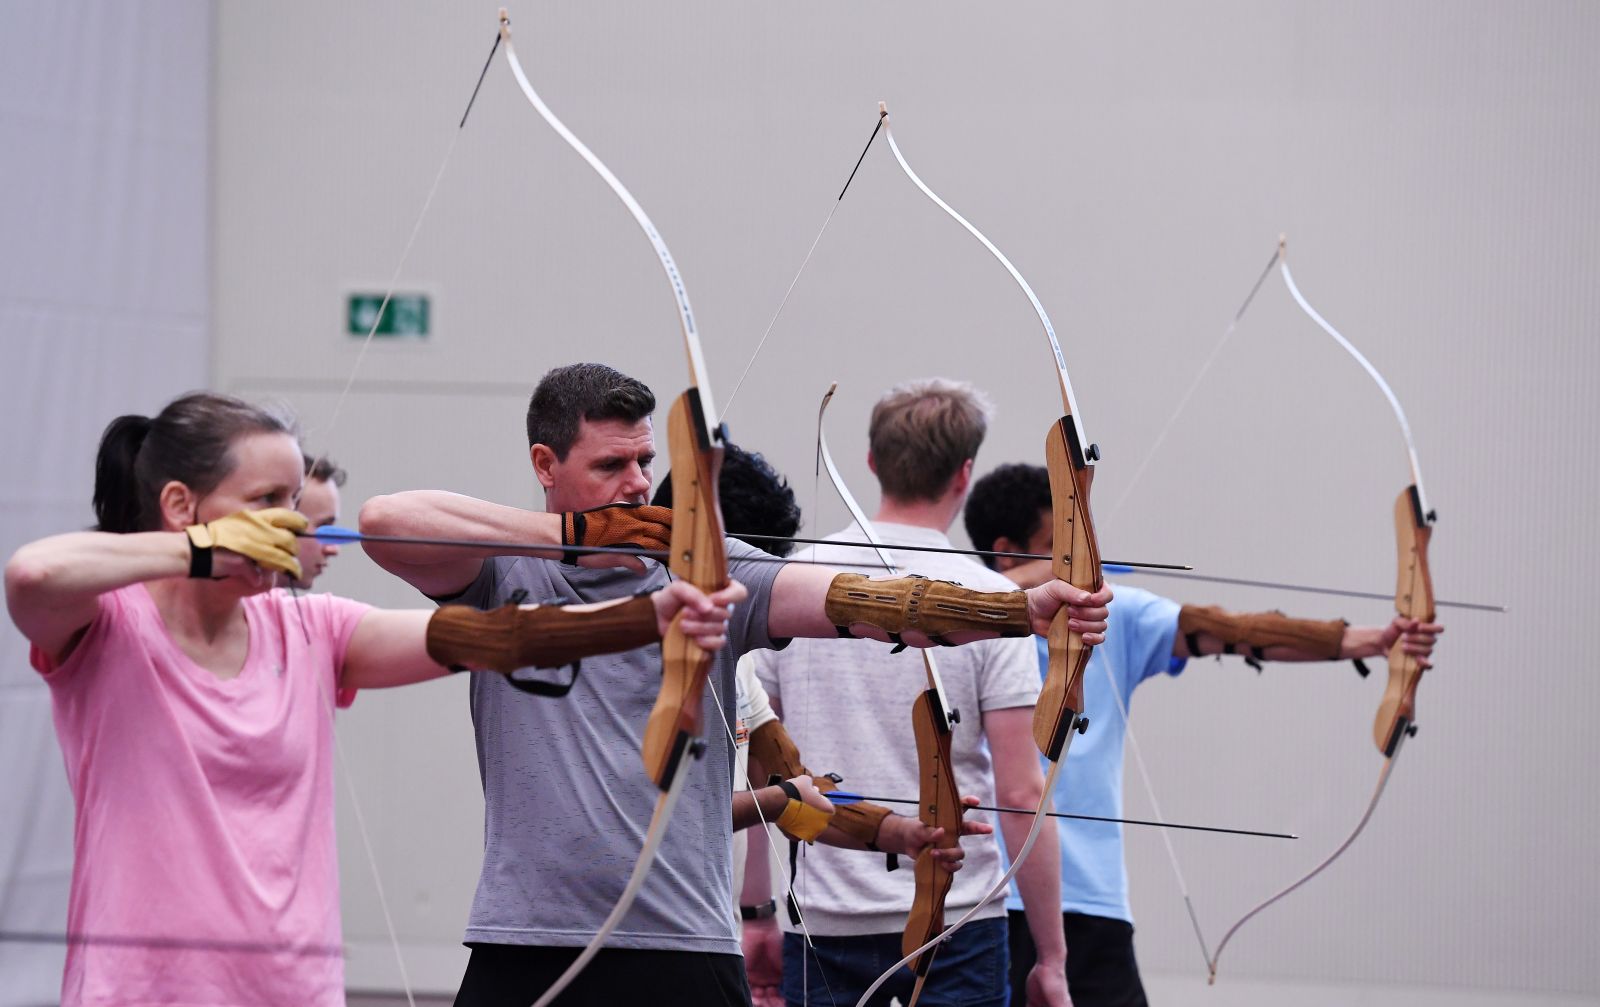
x=846, y=703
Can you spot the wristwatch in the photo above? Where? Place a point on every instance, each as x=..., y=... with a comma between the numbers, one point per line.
x=761, y=912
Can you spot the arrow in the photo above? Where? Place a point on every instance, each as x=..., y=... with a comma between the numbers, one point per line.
x=340, y=535
x=1125, y=566
x=337, y=534
x=848, y=797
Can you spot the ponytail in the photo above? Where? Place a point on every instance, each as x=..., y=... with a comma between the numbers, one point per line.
x=190, y=442
x=116, y=486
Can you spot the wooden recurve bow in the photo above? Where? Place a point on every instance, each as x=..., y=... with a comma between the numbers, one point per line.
x=672, y=740
x=1070, y=458
x=1413, y=599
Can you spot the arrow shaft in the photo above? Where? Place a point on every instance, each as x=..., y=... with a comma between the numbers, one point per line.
x=948, y=550
x=336, y=535
x=1473, y=606
x=844, y=797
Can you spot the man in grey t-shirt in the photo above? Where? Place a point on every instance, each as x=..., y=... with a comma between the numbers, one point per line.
x=566, y=800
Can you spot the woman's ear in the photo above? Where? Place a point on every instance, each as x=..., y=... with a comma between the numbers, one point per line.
x=179, y=506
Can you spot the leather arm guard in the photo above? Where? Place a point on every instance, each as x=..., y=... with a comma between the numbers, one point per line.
x=1253, y=632
x=541, y=636
x=771, y=746
x=935, y=608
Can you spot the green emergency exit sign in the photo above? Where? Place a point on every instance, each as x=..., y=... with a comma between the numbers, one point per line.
x=405, y=316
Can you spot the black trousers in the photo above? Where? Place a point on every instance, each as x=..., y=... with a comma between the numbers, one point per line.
x=1101, y=970
x=513, y=975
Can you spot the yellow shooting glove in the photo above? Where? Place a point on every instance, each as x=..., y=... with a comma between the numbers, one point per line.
x=799, y=819
x=266, y=537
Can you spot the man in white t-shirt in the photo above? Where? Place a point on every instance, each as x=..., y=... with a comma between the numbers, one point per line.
x=847, y=703
x=758, y=503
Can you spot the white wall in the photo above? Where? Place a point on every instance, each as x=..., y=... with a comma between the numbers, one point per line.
x=1433, y=164
x=104, y=129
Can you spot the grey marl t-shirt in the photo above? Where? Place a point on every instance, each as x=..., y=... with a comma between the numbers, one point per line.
x=566, y=797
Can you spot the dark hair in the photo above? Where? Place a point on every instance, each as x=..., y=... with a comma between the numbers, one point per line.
x=583, y=392
x=188, y=442
x=755, y=499
x=1007, y=503
x=325, y=469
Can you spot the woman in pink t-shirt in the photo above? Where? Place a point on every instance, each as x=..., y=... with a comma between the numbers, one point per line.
x=195, y=708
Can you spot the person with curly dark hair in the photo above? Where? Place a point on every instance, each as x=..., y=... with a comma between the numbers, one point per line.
x=1009, y=510
x=755, y=500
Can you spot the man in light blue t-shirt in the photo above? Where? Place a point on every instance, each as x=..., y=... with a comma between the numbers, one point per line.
x=1148, y=635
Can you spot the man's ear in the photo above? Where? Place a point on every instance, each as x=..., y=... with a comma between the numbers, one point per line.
x=872, y=463
x=963, y=478
x=179, y=506
x=544, y=463
x=1004, y=544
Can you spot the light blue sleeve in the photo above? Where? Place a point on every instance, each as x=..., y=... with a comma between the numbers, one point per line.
x=1143, y=628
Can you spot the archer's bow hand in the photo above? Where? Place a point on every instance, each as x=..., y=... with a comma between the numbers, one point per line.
x=1416, y=637
x=971, y=826
x=620, y=524
x=246, y=543
x=1087, y=612
x=705, y=616
x=909, y=837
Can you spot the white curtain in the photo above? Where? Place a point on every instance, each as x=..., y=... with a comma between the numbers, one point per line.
x=104, y=187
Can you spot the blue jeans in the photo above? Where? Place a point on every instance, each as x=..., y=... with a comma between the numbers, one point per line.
x=970, y=970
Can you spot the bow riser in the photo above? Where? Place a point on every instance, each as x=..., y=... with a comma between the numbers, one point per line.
x=939, y=806
x=699, y=556
x=1413, y=599
x=1076, y=561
